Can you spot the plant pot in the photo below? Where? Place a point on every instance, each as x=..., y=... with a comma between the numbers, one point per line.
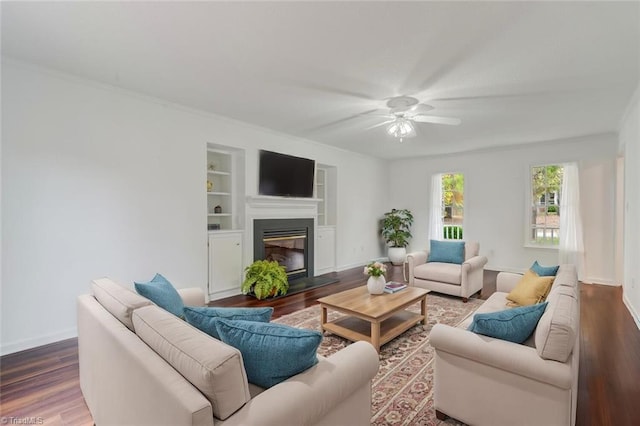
x=397, y=255
x=375, y=285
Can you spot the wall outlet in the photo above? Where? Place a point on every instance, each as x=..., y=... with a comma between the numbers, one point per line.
x=633, y=283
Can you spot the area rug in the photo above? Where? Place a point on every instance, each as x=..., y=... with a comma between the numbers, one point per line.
x=402, y=391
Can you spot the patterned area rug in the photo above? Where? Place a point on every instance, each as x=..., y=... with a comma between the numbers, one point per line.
x=402, y=389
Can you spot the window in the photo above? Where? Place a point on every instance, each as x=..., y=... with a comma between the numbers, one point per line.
x=452, y=205
x=545, y=209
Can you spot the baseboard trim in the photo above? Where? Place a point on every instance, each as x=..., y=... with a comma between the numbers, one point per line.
x=224, y=293
x=504, y=269
x=632, y=311
x=600, y=281
x=360, y=264
x=34, y=342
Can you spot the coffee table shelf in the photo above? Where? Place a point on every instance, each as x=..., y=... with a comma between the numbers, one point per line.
x=356, y=329
x=376, y=319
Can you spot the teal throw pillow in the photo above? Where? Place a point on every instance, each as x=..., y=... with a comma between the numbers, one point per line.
x=514, y=325
x=446, y=252
x=160, y=291
x=271, y=352
x=202, y=318
x=544, y=271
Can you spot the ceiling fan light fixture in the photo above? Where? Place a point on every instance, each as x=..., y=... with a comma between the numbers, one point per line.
x=401, y=128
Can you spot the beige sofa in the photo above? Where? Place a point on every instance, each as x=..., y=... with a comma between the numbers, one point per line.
x=448, y=278
x=140, y=365
x=485, y=381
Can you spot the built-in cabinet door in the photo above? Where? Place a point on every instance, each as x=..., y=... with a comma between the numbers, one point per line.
x=325, y=250
x=225, y=261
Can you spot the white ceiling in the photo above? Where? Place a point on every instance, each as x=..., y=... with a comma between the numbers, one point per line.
x=516, y=72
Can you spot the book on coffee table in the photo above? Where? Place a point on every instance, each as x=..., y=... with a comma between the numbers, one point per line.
x=394, y=286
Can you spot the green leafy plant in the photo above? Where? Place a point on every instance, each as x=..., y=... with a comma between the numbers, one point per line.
x=396, y=227
x=265, y=278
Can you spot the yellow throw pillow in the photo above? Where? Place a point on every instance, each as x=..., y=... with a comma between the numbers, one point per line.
x=531, y=289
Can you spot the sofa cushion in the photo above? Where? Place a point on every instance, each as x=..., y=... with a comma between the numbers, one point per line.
x=442, y=272
x=118, y=300
x=558, y=327
x=514, y=325
x=544, y=271
x=446, y=252
x=271, y=352
x=203, y=317
x=211, y=366
x=161, y=292
x=530, y=289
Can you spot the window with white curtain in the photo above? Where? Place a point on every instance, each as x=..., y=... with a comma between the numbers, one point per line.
x=545, y=210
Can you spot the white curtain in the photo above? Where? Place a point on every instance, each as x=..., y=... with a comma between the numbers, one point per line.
x=435, y=216
x=571, y=247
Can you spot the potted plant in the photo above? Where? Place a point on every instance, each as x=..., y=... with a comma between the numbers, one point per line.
x=396, y=232
x=265, y=278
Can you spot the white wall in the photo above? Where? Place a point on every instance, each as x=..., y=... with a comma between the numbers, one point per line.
x=496, y=199
x=630, y=143
x=97, y=181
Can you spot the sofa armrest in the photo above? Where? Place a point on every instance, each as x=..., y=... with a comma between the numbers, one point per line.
x=506, y=281
x=309, y=396
x=193, y=296
x=512, y=357
x=476, y=262
x=414, y=259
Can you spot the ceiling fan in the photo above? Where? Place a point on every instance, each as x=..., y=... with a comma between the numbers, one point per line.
x=404, y=112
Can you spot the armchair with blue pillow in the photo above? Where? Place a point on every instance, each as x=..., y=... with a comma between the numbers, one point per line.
x=450, y=267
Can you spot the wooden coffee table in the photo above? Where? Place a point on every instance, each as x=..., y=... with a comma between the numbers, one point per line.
x=376, y=319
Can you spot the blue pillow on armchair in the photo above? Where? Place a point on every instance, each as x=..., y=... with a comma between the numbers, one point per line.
x=446, y=252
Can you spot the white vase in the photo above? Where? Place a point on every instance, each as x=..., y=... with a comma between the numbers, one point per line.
x=397, y=255
x=375, y=285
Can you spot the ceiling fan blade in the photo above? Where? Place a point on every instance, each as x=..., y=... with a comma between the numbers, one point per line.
x=340, y=121
x=436, y=120
x=336, y=91
x=420, y=109
x=380, y=124
x=379, y=113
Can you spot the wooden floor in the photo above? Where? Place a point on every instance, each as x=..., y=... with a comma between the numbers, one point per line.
x=43, y=382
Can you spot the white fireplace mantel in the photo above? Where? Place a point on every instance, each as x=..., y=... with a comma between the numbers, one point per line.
x=265, y=201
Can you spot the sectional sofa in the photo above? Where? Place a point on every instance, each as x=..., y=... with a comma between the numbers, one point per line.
x=141, y=365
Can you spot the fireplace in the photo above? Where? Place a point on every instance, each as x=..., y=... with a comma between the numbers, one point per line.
x=287, y=241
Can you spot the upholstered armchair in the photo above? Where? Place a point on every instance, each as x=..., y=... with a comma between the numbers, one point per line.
x=457, y=279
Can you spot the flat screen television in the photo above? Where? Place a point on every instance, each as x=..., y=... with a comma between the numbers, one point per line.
x=285, y=175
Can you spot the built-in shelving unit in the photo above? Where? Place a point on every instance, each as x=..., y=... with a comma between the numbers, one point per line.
x=220, y=189
x=321, y=195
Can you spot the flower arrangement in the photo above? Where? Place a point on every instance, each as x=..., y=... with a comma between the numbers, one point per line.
x=375, y=269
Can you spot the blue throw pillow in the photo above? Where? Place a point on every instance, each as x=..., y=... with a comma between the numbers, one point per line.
x=271, y=352
x=203, y=318
x=446, y=252
x=162, y=293
x=514, y=325
x=544, y=271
